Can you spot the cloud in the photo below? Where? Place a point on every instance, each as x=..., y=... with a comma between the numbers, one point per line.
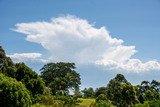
x=69, y=38
x=25, y=57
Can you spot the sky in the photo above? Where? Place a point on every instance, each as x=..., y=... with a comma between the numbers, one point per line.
x=102, y=37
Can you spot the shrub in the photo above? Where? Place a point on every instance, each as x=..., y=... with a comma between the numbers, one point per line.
x=13, y=93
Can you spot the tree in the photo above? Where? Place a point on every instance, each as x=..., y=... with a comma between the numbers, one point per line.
x=148, y=91
x=6, y=65
x=88, y=93
x=121, y=92
x=155, y=85
x=13, y=93
x=31, y=80
x=60, y=76
x=101, y=90
x=22, y=73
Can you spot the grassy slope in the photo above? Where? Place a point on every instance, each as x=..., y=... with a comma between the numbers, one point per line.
x=86, y=102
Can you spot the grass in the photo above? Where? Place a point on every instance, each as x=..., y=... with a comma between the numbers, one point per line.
x=86, y=102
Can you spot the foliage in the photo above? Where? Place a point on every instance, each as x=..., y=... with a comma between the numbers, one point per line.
x=20, y=86
x=86, y=102
x=6, y=65
x=67, y=100
x=13, y=93
x=22, y=73
x=102, y=101
x=148, y=91
x=88, y=93
x=145, y=104
x=43, y=105
x=154, y=103
x=47, y=100
x=77, y=93
x=102, y=104
x=101, y=90
x=121, y=92
x=50, y=100
x=102, y=97
x=60, y=76
x=31, y=80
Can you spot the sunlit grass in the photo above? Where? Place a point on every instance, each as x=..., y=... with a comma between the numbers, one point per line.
x=86, y=102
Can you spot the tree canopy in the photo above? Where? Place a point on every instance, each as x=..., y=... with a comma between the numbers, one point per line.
x=13, y=93
x=60, y=76
x=6, y=65
x=31, y=80
x=88, y=93
x=121, y=92
x=22, y=73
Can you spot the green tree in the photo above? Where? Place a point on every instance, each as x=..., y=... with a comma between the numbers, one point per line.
x=155, y=85
x=88, y=93
x=6, y=65
x=101, y=90
x=121, y=92
x=148, y=91
x=31, y=80
x=22, y=73
x=60, y=76
x=13, y=93
x=102, y=97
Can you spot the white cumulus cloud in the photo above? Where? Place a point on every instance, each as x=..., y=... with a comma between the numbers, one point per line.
x=24, y=57
x=69, y=38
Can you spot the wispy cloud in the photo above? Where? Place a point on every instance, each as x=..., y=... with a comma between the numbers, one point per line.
x=70, y=38
x=24, y=57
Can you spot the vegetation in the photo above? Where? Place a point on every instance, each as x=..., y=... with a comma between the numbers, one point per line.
x=60, y=77
x=20, y=86
x=24, y=74
x=86, y=102
x=88, y=93
x=13, y=93
x=31, y=80
x=121, y=92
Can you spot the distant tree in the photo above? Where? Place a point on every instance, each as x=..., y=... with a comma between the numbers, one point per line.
x=102, y=97
x=77, y=93
x=146, y=85
x=155, y=85
x=101, y=90
x=102, y=101
x=88, y=93
x=121, y=92
x=13, y=93
x=60, y=76
x=148, y=91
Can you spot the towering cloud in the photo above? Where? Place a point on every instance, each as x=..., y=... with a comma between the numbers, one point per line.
x=69, y=38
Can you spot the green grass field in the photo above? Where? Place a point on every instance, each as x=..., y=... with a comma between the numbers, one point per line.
x=86, y=102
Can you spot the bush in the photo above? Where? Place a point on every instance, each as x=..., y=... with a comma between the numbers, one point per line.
x=67, y=100
x=102, y=104
x=102, y=97
x=154, y=103
x=145, y=104
x=49, y=100
x=13, y=93
x=31, y=80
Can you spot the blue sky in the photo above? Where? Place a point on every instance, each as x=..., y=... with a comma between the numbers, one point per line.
x=136, y=22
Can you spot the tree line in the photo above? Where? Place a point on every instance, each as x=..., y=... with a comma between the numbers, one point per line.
x=20, y=86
